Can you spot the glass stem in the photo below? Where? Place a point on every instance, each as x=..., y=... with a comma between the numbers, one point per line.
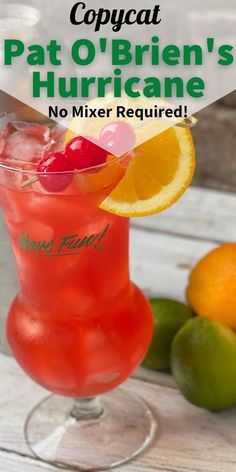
x=87, y=408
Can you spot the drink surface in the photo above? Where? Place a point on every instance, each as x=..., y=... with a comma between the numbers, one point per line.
x=78, y=326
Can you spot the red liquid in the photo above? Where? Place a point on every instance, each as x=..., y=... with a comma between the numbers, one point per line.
x=78, y=326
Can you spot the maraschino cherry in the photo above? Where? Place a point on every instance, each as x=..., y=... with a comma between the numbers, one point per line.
x=84, y=153
x=118, y=138
x=55, y=172
x=80, y=153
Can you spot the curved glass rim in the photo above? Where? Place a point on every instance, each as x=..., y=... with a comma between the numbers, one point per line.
x=35, y=173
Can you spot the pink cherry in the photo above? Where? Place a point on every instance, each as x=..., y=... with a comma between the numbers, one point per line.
x=118, y=138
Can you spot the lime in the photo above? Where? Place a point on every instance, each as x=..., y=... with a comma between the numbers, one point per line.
x=169, y=317
x=203, y=361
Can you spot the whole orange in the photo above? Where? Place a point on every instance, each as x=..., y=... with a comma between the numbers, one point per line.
x=211, y=290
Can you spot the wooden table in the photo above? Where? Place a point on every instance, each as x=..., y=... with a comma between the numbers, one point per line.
x=163, y=250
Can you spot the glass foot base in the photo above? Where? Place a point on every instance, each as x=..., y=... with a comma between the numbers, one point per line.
x=102, y=437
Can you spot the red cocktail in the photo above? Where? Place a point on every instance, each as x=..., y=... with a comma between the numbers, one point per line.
x=78, y=326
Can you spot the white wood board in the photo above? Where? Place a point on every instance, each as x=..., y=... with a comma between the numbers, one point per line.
x=160, y=263
x=199, y=214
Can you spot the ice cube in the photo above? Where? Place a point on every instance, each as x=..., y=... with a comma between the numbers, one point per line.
x=4, y=135
x=22, y=147
x=41, y=132
x=29, y=142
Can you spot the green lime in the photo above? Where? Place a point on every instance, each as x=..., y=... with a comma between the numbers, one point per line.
x=169, y=317
x=203, y=362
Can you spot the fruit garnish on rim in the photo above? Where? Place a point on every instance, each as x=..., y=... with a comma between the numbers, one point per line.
x=55, y=170
x=161, y=169
x=118, y=138
x=84, y=153
x=157, y=173
x=157, y=177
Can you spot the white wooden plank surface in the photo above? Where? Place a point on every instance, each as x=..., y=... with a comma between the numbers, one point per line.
x=200, y=213
x=189, y=439
x=160, y=263
x=155, y=377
